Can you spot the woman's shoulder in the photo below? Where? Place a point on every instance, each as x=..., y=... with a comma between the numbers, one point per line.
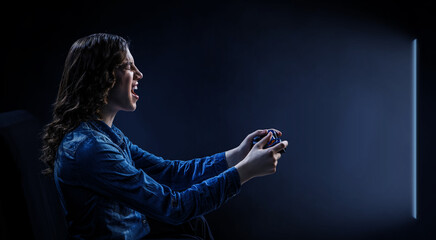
x=84, y=133
x=80, y=149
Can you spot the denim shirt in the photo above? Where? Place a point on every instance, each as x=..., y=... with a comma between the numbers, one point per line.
x=109, y=186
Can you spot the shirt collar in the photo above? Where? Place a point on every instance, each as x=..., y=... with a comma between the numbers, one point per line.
x=113, y=132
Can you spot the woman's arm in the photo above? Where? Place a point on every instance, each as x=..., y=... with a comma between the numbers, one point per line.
x=104, y=169
x=178, y=174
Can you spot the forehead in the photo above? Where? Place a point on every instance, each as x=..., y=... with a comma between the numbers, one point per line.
x=129, y=57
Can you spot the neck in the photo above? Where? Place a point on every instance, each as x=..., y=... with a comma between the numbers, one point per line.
x=108, y=115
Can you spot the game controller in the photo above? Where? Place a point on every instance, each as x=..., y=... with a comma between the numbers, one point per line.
x=274, y=140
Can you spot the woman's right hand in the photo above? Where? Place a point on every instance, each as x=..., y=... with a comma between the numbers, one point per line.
x=259, y=161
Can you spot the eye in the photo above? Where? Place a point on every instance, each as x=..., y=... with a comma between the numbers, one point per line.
x=126, y=66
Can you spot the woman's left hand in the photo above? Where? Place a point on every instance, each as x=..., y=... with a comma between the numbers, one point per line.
x=235, y=155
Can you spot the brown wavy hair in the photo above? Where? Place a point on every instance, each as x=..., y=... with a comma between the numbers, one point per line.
x=88, y=75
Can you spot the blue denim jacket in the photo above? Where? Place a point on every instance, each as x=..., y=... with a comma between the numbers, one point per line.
x=109, y=186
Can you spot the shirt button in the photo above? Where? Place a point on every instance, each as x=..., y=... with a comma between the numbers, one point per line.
x=144, y=221
x=173, y=202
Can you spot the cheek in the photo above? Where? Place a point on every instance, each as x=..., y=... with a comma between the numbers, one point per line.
x=126, y=78
x=117, y=92
x=114, y=94
x=123, y=83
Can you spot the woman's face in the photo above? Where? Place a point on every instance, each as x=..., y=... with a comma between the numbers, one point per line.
x=122, y=96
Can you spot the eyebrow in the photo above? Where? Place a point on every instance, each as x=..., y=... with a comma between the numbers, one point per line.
x=127, y=63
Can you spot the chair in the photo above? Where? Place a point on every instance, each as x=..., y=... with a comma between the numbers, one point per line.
x=29, y=206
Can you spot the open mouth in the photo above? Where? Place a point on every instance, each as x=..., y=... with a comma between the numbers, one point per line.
x=133, y=92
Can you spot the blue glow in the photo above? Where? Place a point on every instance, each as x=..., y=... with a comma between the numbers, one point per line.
x=414, y=122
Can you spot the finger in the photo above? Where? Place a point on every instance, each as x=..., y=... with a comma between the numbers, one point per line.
x=279, y=133
x=264, y=141
x=280, y=146
x=277, y=156
x=256, y=133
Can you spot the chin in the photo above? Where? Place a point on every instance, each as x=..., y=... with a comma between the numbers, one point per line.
x=130, y=108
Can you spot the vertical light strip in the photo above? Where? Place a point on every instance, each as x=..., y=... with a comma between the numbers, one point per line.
x=414, y=122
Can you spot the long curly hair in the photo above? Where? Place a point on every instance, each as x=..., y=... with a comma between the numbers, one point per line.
x=87, y=78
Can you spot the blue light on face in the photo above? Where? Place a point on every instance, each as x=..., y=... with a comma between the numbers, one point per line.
x=414, y=127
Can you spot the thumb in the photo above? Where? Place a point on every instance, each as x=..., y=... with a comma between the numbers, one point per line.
x=261, y=144
x=256, y=133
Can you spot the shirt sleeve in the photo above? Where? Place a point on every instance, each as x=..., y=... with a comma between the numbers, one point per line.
x=178, y=174
x=105, y=169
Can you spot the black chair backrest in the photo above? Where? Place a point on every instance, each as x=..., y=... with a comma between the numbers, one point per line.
x=29, y=206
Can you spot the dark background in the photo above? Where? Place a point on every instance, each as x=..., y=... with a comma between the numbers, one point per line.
x=333, y=76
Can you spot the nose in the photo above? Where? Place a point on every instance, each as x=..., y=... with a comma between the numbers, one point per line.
x=138, y=75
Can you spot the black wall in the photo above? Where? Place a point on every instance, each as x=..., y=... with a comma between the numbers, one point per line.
x=334, y=77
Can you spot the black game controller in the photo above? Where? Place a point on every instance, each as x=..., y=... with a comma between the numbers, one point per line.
x=274, y=140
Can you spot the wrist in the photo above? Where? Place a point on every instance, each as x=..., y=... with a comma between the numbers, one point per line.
x=232, y=157
x=244, y=172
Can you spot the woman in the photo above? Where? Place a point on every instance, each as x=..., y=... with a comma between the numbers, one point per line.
x=111, y=188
